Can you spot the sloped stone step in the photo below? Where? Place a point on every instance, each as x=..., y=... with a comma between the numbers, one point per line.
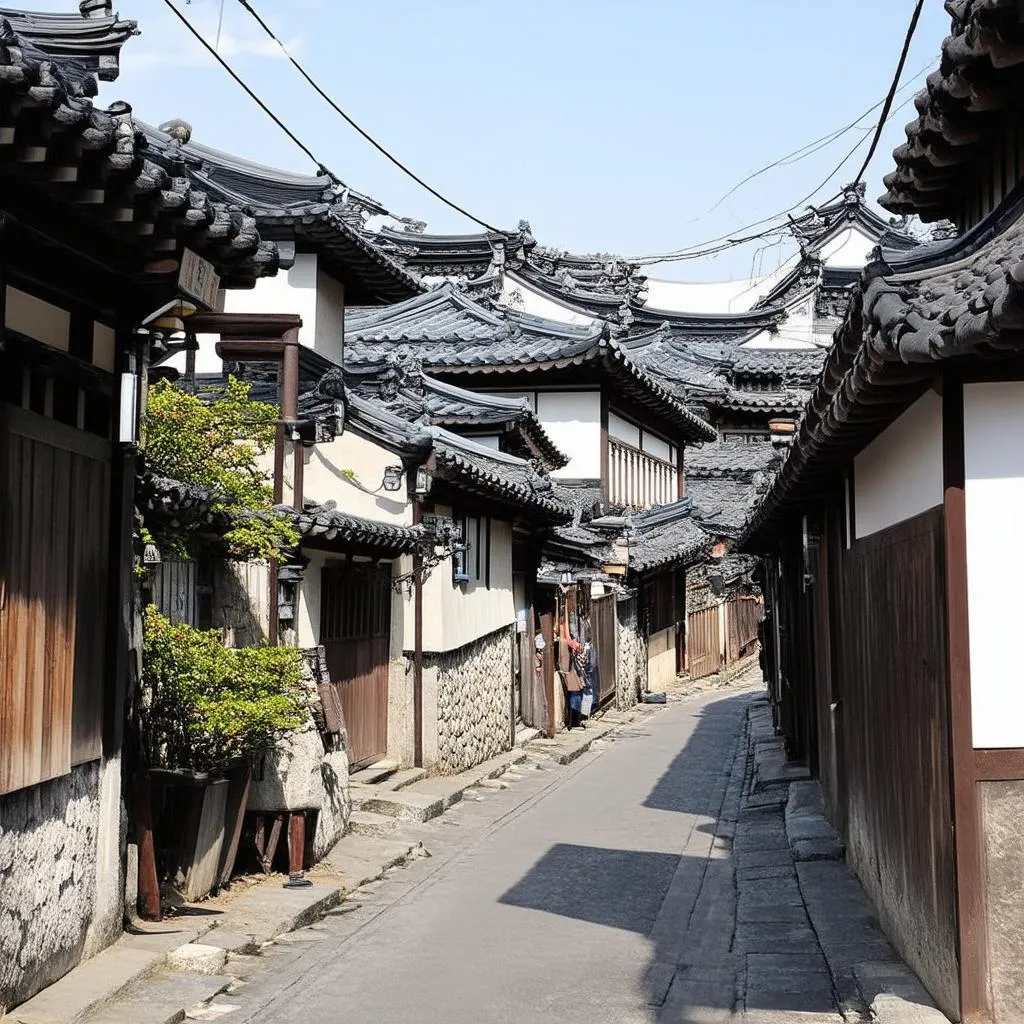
x=367, y=823
x=162, y=998
x=408, y=805
x=374, y=774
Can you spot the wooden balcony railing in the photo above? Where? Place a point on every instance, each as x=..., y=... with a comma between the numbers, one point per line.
x=639, y=479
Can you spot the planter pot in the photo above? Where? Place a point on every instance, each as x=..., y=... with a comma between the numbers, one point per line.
x=203, y=808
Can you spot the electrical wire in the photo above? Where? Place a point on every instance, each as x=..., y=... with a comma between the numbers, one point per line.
x=812, y=147
x=723, y=242
x=249, y=92
x=365, y=134
x=911, y=29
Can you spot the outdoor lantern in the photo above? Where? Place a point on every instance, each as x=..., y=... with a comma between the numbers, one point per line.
x=392, y=478
x=423, y=480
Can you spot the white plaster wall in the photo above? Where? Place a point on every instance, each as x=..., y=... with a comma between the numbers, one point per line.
x=104, y=347
x=307, y=612
x=289, y=291
x=37, y=319
x=330, y=317
x=899, y=475
x=457, y=614
x=622, y=429
x=994, y=463
x=325, y=479
x=850, y=248
x=517, y=294
x=736, y=296
x=573, y=421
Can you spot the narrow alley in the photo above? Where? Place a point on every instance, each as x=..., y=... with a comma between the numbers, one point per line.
x=644, y=882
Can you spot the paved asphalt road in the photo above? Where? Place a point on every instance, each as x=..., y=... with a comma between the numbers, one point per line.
x=539, y=903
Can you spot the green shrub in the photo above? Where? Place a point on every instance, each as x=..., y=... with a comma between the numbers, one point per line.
x=205, y=705
x=218, y=445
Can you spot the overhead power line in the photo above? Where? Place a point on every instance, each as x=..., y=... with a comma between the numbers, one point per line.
x=884, y=116
x=249, y=92
x=365, y=134
x=810, y=148
x=727, y=241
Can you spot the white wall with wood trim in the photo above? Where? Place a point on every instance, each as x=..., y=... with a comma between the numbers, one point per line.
x=572, y=420
x=994, y=466
x=456, y=614
x=350, y=471
x=899, y=475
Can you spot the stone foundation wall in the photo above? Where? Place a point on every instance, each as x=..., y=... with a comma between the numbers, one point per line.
x=474, y=701
x=632, y=654
x=53, y=911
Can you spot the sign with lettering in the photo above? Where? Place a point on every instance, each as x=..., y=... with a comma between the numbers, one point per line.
x=198, y=279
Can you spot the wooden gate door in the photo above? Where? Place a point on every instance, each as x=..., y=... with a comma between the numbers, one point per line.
x=704, y=642
x=355, y=630
x=602, y=616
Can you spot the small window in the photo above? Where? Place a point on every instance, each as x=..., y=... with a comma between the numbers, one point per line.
x=471, y=560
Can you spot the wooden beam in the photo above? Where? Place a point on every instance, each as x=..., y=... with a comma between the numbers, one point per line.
x=975, y=1002
x=999, y=765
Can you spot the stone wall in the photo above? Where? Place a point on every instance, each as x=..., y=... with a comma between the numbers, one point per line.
x=632, y=654
x=474, y=701
x=52, y=909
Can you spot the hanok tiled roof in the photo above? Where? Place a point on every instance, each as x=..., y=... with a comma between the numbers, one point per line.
x=899, y=326
x=779, y=402
x=93, y=37
x=962, y=109
x=326, y=525
x=467, y=256
x=135, y=201
x=495, y=475
x=166, y=502
x=451, y=335
x=730, y=458
x=413, y=395
x=309, y=211
x=666, y=535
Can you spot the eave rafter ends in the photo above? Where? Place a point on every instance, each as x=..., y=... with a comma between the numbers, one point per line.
x=120, y=183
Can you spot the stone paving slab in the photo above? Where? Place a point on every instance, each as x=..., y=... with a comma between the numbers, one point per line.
x=162, y=999
x=104, y=977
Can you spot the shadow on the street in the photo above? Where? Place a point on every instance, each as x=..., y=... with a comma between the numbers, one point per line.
x=618, y=888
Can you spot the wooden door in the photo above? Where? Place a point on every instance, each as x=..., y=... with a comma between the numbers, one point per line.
x=704, y=642
x=602, y=614
x=355, y=631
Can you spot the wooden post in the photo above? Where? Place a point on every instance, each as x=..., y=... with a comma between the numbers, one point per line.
x=605, y=469
x=970, y=894
x=297, y=852
x=417, y=667
x=149, y=883
x=547, y=629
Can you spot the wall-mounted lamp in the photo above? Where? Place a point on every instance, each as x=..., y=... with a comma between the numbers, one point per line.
x=393, y=478
x=423, y=481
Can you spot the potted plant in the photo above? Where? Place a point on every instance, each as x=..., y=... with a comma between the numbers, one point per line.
x=206, y=710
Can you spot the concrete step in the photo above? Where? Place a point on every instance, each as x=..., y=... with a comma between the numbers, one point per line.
x=525, y=735
x=396, y=781
x=357, y=860
x=366, y=823
x=162, y=998
x=374, y=774
x=407, y=805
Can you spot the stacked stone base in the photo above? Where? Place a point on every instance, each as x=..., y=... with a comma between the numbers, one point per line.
x=474, y=701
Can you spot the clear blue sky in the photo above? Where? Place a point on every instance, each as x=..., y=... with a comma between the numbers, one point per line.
x=610, y=125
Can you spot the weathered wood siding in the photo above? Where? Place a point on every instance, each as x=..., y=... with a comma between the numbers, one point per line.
x=895, y=722
x=53, y=608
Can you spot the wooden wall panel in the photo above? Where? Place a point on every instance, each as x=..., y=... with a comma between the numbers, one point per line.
x=896, y=742
x=53, y=599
